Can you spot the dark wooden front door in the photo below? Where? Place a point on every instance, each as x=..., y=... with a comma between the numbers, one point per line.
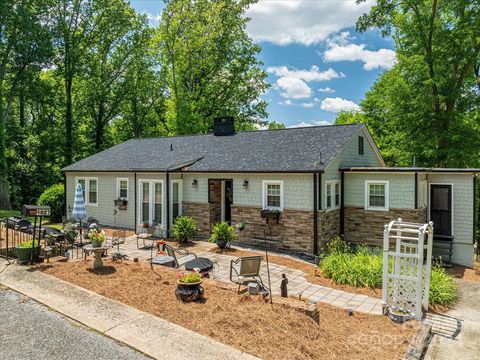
x=441, y=209
x=228, y=201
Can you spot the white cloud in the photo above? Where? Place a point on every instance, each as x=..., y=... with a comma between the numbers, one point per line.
x=340, y=49
x=338, y=104
x=284, y=22
x=312, y=123
x=326, y=90
x=287, y=102
x=294, y=88
x=294, y=83
x=307, y=105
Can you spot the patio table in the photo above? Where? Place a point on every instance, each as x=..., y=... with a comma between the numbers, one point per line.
x=204, y=265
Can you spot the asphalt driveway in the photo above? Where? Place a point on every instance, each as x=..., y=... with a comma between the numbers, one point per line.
x=29, y=330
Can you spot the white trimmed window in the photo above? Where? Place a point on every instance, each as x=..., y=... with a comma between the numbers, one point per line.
x=89, y=189
x=122, y=188
x=376, y=195
x=273, y=195
x=332, y=194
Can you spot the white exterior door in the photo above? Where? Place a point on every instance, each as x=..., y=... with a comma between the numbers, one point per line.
x=175, y=200
x=151, y=202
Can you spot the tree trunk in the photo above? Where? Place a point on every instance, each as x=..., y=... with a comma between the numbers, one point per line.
x=4, y=195
x=68, y=154
x=4, y=191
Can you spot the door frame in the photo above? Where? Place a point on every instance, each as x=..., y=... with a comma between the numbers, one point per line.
x=429, y=203
x=151, y=195
x=180, y=198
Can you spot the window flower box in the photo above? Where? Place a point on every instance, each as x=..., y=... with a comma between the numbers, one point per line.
x=121, y=203
x=271, y=215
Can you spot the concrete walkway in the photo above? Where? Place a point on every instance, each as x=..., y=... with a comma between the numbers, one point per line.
x=457, y=333
x=297, y=283
x=149, y=334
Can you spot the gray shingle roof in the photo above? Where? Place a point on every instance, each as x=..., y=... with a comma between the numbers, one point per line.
x=286, y=150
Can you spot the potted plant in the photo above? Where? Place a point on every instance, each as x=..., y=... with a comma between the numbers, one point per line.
x=189, y=287
x=270, y=215
x=184, y=228
x=222, y=234
x=121, y=203
x=24, y=250
x=97, y=237
x=145, y=224
x=240, y=227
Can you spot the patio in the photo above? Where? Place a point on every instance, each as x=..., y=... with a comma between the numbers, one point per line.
x=297, y=282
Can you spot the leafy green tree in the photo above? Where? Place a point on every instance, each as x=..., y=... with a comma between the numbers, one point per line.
x=275, y=125
x=431, y=92
x=209, y=64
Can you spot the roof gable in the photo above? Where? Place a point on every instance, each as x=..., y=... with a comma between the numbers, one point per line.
x=306, y=149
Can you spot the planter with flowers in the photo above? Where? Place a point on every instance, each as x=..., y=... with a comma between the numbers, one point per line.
x=97, y=237
x=189, y=287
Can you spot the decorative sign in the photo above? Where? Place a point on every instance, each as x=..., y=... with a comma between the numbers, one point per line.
x=34, y=210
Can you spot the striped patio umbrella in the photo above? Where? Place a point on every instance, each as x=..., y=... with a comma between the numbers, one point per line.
x=79, y=212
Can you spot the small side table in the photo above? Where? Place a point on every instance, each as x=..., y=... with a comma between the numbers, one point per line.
x=98, y=252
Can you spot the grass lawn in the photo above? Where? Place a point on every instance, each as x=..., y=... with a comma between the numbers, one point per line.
x=242, y=321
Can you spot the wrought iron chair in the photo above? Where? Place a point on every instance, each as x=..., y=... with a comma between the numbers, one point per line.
x=246, y=269
x=154, y=233
x=118, y=237
x=181, y=256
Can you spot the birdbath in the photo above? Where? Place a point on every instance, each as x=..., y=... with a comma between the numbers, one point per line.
x=97, y=251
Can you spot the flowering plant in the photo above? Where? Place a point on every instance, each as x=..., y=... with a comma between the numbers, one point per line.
x=188, y=278
x=97, y=235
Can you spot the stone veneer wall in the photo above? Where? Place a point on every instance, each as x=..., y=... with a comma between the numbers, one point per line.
x=215, y=201
x=295, y=228
x=201, y=213
x=366, y=226
x=328, y=225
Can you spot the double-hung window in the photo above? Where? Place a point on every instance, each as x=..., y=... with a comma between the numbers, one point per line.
x=332, y=194
x=122, y=188
x=273, y=195
x=376, y=195
x=89, y=189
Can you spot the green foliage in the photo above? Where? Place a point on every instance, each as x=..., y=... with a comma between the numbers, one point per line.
x=427, y=105
x=27, y=244
x=184, y=228
x=275, y=125
x=365, y=269
x=190, y=278
x=53, y=197
x=222, y=231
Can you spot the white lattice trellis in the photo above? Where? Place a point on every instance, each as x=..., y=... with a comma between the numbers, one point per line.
x=407, y=262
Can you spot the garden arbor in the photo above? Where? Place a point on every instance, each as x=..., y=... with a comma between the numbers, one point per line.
x=407, y=262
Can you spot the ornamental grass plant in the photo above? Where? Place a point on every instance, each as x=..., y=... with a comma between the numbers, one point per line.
x=364, y=268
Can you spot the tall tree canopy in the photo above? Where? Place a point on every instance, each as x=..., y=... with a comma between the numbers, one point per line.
x=427, y=105
x=209, y=64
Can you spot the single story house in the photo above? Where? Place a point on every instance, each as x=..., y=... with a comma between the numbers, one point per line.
x=325, y=180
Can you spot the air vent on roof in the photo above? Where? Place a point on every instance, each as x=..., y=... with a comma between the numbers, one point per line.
x=224, y=126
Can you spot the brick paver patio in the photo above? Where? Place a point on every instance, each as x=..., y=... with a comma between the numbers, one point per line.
x=297, y=283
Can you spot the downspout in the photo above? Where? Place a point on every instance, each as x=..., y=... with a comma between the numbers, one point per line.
x=65, y=195
x=167, y=175
x=416, y=191
x=315, y=215
x=342, y=207
x=475, y=213
x=135, y=204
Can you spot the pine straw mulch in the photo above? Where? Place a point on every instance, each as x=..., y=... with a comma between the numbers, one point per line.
x=242, y=321
x=312, y=273
x=464, y=273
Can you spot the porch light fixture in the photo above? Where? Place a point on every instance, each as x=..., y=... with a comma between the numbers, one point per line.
x=194, y=183
x=245, y=184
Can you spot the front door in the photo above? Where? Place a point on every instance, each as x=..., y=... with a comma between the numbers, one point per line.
x=227, y=201
x=441, y=209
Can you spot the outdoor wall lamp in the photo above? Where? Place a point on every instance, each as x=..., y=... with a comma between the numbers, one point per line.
x=194, y=183
x=245, y=184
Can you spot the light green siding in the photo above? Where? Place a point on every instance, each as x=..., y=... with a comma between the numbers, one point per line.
x=297, y=189
x=462, y=198
x=401, y=189
x=350, y=157
x=106, y=194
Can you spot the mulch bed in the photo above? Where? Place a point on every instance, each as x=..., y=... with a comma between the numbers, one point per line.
x=464, y=273
x=242, y=321
x=311, y=271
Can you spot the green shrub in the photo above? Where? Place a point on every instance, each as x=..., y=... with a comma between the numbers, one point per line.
x=184, y=228
x=190, y=278
x=222, y=231
x=27, y=244
x=53, y=197
x=365, y=269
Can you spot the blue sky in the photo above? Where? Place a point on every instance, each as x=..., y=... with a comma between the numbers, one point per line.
x=316, y=63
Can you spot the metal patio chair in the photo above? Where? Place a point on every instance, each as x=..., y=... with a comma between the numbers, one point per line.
x=181, y=256
x=246, y=269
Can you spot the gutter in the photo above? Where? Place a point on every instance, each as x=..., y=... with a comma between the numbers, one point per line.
x=167, y=179
x=315, y=214
x=475, y=214
x=135, y=202
x=342, y=207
